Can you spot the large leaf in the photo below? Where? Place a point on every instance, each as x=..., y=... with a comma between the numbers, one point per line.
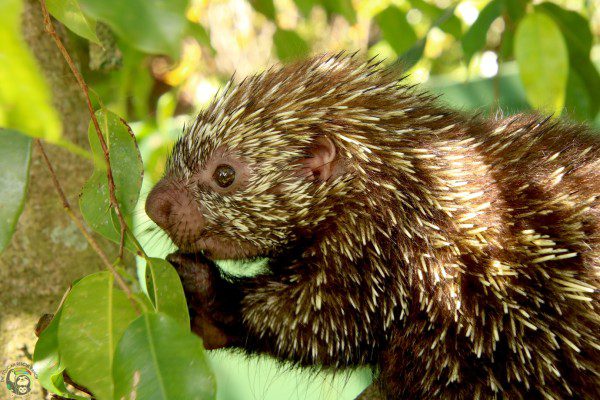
x=543, y=60
x=166, y=291
x=475, y=38
x=94, y=317
x=395, y=29
x=578, y=36
x=155, y=27
x=46, y=361
x=127, y=168
x=25, y=103
x=15, y=157
x=69, y=13
x=157, y=358
x=289, y=45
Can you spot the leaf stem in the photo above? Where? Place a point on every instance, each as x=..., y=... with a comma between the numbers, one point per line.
x=111, y=183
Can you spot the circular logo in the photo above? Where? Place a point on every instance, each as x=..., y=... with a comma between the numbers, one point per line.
x=18, y=379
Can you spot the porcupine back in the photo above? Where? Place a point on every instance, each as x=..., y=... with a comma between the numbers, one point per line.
x=468, y=248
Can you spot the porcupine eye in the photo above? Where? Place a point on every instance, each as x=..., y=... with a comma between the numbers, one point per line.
x=224, y=175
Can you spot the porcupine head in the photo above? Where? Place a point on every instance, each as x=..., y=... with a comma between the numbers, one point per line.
x=262, y=169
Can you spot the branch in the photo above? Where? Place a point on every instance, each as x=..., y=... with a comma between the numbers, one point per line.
x=111, y=183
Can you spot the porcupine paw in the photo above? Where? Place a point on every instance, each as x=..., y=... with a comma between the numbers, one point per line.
x=199, y=278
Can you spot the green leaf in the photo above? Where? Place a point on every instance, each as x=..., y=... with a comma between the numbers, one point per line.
x=155, y=27
x=166, y=291
x=265, y=7
x=412, y=55
x=340, y=7
x=578, y=36
x=395, y=29
x=574, y=26
x=69, y=13
x=451, y=25
x=127, y=169
x=46, y=361
x=543, y=61
x=578, y=104
x=475, y=38
x=305, y=6
x=289, y=45
x=159, y=359
x=515, y=9
x=165, y=108
x=25, y=102
x=94, y=317
x=15, y=158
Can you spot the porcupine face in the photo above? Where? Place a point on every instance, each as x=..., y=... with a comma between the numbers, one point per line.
x=244, y=180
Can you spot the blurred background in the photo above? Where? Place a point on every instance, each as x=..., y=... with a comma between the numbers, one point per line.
x=157, y=63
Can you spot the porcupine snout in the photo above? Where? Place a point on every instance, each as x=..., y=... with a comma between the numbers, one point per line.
x=173, y=209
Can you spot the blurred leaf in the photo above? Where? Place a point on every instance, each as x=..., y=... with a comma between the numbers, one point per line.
x=15, y=158
x=157, y=358
x=305, y=6
x=289, y=45
x=166, y=291
x=575, y=27
x=480, y=94
x=475, y=38
x=46, y=361
x=94, y=317
x=127, y=171
x=578, y=36
x=69, y=13
x=516, y=9
x=165, y=108
x=578, y=104
x=451, y=25
x=25, y=102
x=542, y=56
x=198, y=32
x=412, y=55
x=155, y=27
x=340, y=7
x=265, y=7
x=507, y=46
x=395, y=29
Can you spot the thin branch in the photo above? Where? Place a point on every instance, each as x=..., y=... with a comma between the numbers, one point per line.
x=111, y=183
x=79, y=224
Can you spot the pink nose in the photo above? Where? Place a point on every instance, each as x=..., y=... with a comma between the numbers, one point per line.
x=174, y=210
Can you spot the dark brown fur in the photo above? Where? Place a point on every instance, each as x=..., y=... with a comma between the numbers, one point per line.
x=457, y=255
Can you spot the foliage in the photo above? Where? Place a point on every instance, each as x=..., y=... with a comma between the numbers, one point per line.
x=164, y=60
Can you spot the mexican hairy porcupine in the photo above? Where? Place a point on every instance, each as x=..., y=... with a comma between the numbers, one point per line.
x=457, y=255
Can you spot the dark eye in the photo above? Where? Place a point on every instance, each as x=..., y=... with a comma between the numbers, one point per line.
x=224, y=175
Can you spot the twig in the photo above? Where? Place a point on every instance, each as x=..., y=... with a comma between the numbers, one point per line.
x=79, y=224
x=111, y=183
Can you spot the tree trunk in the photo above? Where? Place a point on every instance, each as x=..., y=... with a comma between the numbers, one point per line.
x=47, y=251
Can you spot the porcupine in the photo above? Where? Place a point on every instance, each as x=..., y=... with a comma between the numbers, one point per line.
x=456, y=254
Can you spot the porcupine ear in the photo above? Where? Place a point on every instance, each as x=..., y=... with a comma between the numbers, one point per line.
x=321, y=161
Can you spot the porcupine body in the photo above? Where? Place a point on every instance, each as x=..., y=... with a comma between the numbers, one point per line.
x=458, y=255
